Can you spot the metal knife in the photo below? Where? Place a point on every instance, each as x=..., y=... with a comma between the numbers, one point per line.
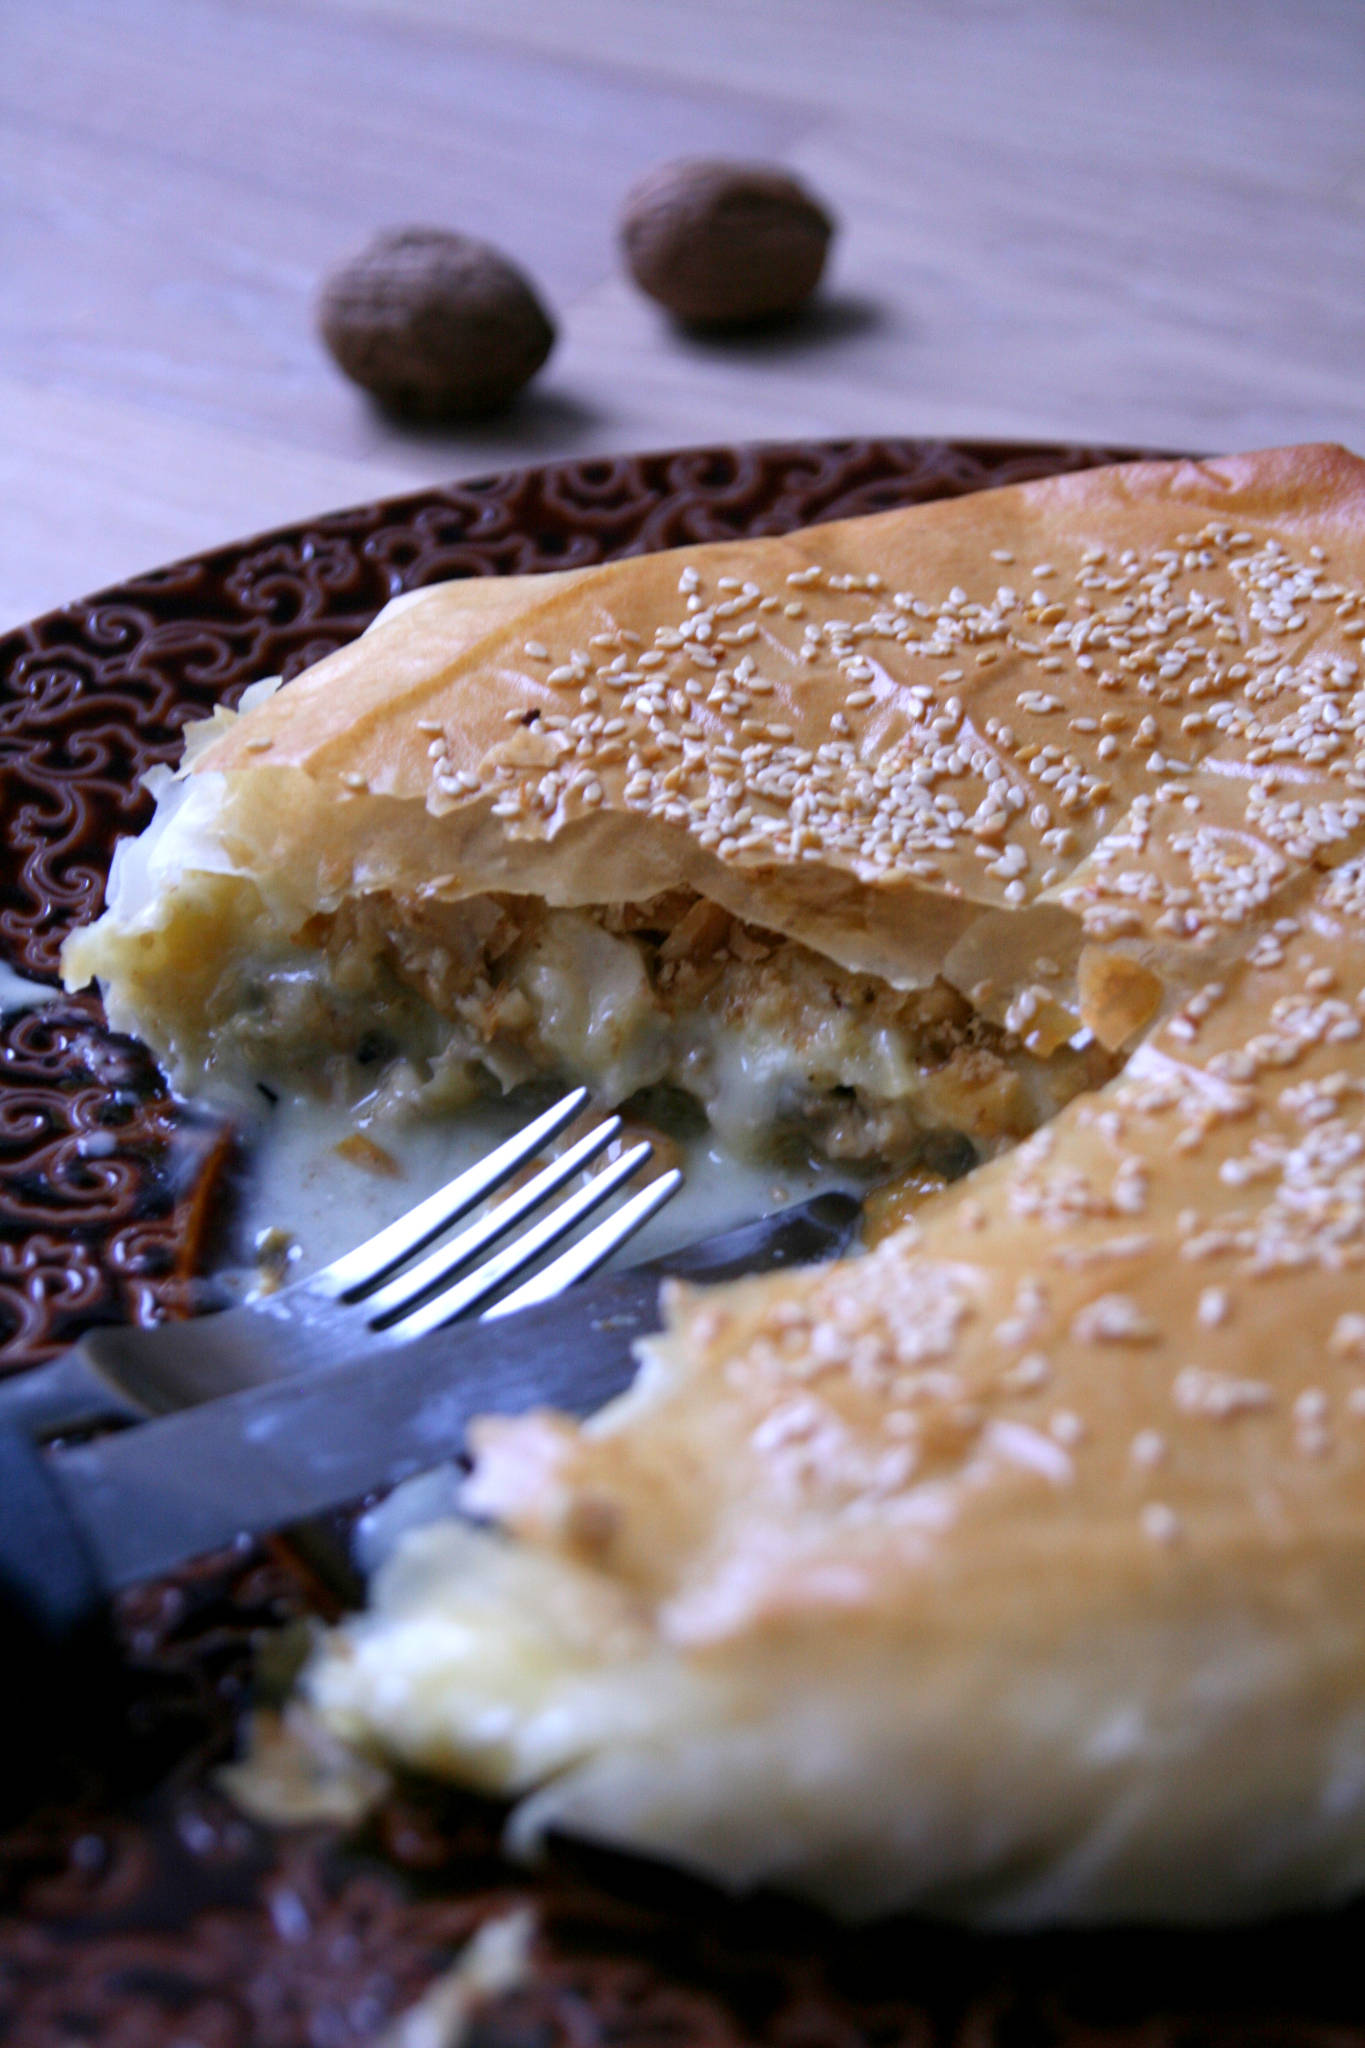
x=80, y=1523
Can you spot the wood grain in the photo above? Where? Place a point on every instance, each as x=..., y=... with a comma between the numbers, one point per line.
x=1074, y=218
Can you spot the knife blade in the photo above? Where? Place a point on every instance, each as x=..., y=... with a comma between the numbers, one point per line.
x=151, y=1497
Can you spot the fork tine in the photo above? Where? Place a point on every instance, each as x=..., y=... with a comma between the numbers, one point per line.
x=388, y=1248
x=587, y=1255
x=409, y=1286
x=487, y=1278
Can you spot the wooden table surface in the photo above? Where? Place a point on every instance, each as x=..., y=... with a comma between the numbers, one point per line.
x=1124, y=220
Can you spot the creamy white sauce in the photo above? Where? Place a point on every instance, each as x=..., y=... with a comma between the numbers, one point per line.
x=18, y=994
x=296, y=1182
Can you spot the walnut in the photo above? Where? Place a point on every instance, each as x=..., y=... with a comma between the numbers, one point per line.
x=435, y=325
x=724, y=244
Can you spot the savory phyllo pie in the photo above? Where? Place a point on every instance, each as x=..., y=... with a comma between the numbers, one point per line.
x=1013, y=1570
x=682, y=821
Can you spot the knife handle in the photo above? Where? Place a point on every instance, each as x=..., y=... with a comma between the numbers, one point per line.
x=55, y=1641
x=48, y=1580
x=67, y=1393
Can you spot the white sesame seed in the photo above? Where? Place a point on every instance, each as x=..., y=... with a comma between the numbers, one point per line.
x=1160, y=1523
x=1214, y=1307
x=1348, y=1337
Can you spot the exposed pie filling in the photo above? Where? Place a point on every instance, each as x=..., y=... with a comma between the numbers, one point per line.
x=766, y=1035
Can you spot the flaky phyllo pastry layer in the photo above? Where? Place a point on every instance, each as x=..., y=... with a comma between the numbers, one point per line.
x=1014, y=1570
x=416, y=930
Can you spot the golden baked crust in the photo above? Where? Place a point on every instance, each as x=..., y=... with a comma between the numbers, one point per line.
x=1014, y=1570
x=868, y=776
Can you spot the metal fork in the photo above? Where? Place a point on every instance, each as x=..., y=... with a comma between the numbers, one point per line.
x=370, y=1297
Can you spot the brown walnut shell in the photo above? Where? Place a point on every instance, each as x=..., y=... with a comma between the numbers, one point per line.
x=724, y=244
x=434, y=325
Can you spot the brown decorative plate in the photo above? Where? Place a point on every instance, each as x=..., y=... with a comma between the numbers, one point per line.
x=140, y=1907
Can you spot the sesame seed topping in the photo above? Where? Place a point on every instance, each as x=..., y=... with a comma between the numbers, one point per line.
x=1031, y=1371
x=1113, y=1319
x=1201, y=1392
